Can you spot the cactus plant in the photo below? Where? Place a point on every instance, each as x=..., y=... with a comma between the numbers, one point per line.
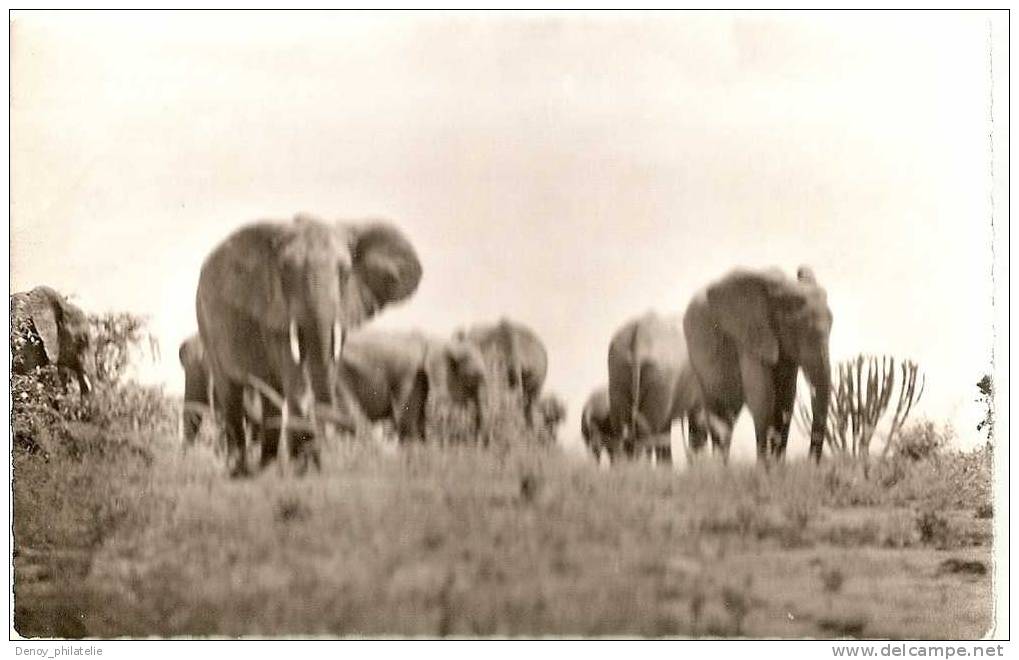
x=862, y=391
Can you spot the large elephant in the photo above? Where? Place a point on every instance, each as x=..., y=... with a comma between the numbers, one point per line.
x=749, y=333
x=596, y=423
x=274, y=303
x=62, y=335
x=651, y=384
x=519, y=354
x=198, y=394
x=395, y=375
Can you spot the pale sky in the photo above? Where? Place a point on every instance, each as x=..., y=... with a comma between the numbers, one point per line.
x=567, y=170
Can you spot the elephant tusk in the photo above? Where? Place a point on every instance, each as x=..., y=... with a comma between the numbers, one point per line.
x=295, y=345
x=339, y=338
x=87, y=383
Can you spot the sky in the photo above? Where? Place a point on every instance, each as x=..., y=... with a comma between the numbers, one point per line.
x=570, y=171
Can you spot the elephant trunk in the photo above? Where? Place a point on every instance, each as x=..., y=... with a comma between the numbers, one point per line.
x=323, y=351
x=820, y=381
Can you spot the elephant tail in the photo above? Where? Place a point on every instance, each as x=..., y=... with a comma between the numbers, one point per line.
x=639, y=426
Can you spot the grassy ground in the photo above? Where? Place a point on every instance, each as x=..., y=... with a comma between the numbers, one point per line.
x=433, y=541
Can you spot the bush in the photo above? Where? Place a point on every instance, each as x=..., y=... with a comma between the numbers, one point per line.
x=49, y=412
x=117, y=336
x=921, y=441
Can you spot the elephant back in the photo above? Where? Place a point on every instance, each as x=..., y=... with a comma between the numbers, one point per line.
x=517, y=348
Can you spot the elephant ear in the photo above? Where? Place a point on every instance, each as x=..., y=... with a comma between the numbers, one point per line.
x=243, y=274
x=741, y=304
x=43, y=308
x=384, y=264
x=191, y=351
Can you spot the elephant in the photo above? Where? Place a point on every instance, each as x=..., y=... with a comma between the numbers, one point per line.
x=651, y=384
x=749, y=333
x=64, y=336
x=197, y=388
x=519, y=354
x=198, y=395
x=394, y=375
x=274, y=303
x=551, y=411
x=596, y=423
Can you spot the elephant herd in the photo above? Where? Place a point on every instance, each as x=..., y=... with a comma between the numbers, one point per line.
x=741, y=341
x=283, y=356
x=282, y=353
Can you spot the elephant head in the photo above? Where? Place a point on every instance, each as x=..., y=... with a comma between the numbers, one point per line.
x=551, y=412
x=62, y=330
x=518, y=356
x=456, y=368
x=751, y=331
x=274, y=303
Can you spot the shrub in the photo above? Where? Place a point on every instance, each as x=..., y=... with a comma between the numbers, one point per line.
x=921, y=441
x=48, y=411
x=117, y=336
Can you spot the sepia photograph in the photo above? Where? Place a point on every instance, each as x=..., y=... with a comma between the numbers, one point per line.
x=502, y=325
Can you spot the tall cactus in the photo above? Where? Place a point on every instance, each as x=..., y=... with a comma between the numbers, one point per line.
x=861, y=392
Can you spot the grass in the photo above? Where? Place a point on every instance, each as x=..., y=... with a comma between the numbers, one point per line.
x=459, y=541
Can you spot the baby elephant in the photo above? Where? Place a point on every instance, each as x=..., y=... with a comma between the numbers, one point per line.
x=596, y=424
x=393, y=375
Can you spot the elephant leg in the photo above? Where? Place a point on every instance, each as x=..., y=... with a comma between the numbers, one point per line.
x=697, y=432
x=785, y=398
x=271, y=427
x=528, y=409
x=230, y=400
x=303, y=440
x=410, y=411
x=759, y=393
x=627, y=449
x=301, y=431
x=719, y=426
x=659, y=447
x=306, y=451
x=190, y=422
x=254, y=431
